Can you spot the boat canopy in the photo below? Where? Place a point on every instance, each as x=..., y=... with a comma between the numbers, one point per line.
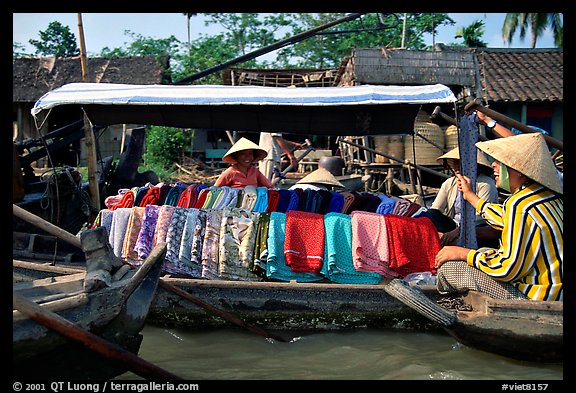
x=344, y=110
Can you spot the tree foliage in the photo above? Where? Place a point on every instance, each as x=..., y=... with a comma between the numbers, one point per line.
x=57, y=40
x=537, y=23
x=472, y=34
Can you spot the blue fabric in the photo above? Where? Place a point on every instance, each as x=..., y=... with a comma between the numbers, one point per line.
x=338, y=262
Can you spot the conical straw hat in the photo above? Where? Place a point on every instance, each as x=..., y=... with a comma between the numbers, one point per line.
x=454, y=154
x=320, y=176
x=528, y=154
x=244, y=144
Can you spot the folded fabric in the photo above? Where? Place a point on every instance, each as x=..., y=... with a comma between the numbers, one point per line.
x=370, y=249
x=118, y=229
x=211, y=243
x=276, y=267
x=413, y=244
x=273, y=198
x=336, y=204
x=131, y=235
x=236, y=246
x=338, y=265
x=145, y=239
x=304, y=245
x=152, y=197
x=173, y=240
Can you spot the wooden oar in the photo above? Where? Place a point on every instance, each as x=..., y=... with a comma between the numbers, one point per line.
x=91, y=341
x=68, y=237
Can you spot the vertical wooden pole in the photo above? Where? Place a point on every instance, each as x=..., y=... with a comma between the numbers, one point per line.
x=89, y=139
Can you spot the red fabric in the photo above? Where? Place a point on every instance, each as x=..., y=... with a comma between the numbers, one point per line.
x=127, y=200
x=304, y=241
x=188, y=197
x=201, y=198
x=273, y=198
x=413, y=243
x=151, y=197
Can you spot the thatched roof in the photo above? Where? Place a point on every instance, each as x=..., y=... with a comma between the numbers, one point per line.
x=35, y=76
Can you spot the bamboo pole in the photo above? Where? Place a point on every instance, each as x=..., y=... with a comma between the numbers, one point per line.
x=89, y=139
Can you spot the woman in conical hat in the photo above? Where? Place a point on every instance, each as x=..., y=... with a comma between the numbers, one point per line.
x=319, y=179
x=242, y=156
x=529, y=262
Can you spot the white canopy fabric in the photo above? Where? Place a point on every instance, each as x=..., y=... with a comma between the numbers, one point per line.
x=346, y=110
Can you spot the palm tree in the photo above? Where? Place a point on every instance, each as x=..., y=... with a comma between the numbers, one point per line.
x=537, y=23
x=472, y=34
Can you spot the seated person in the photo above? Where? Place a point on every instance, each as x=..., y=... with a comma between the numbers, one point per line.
x=448, y=203
x=242, y=172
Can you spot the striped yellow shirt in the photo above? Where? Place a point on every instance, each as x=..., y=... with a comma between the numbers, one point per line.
x=531, y=247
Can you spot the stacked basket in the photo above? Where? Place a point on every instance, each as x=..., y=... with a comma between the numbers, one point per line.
x=419, y=150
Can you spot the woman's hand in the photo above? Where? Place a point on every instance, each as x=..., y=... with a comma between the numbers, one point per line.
x=450, y=253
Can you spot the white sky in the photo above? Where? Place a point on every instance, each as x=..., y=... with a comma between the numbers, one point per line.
x=107, y=29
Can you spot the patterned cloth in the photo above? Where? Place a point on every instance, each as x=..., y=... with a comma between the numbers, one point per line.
x=370, y=249
x=276, y=267
x=338, y=265
x=236, y=246
x=459, y=277
x=172, y=263
x=210, y=246
x=162, y=224
x=304, y=246
x=145, y=240
x=129, y=254
x=258, y=264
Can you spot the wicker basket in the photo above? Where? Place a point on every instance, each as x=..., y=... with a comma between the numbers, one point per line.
x=393, y=145
x=426, y=152
x=451, y=137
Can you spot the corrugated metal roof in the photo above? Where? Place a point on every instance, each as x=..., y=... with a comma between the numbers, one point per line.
x=521, y=75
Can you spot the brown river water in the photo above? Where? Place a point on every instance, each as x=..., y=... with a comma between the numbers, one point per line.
x=374, y=355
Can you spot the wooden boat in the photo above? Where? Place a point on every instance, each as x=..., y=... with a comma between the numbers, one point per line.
x=519, y=329
x=514, y=329
x=523, y=330
x=115, y=313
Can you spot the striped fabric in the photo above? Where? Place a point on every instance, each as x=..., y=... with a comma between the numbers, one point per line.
x=121, y=94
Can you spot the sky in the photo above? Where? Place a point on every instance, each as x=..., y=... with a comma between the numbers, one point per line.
x=107, y=29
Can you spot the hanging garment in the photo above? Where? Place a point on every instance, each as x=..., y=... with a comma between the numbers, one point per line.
x=163, y=223
x=338, y=265
x=413, y=244
x=131, y=235
x=370, y=248
x=118, y=229
x=210, y=249
x=145, y=240
x=173, y=240
x=276, y=267
x=258, y=265
x=304, y=246
x=236, y=246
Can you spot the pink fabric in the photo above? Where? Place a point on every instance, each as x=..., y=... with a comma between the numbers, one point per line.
x=413, y=244
x=304, y=242
x=370, y=249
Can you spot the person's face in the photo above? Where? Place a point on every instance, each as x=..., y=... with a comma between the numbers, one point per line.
x=245, y=157
x=496, y=168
